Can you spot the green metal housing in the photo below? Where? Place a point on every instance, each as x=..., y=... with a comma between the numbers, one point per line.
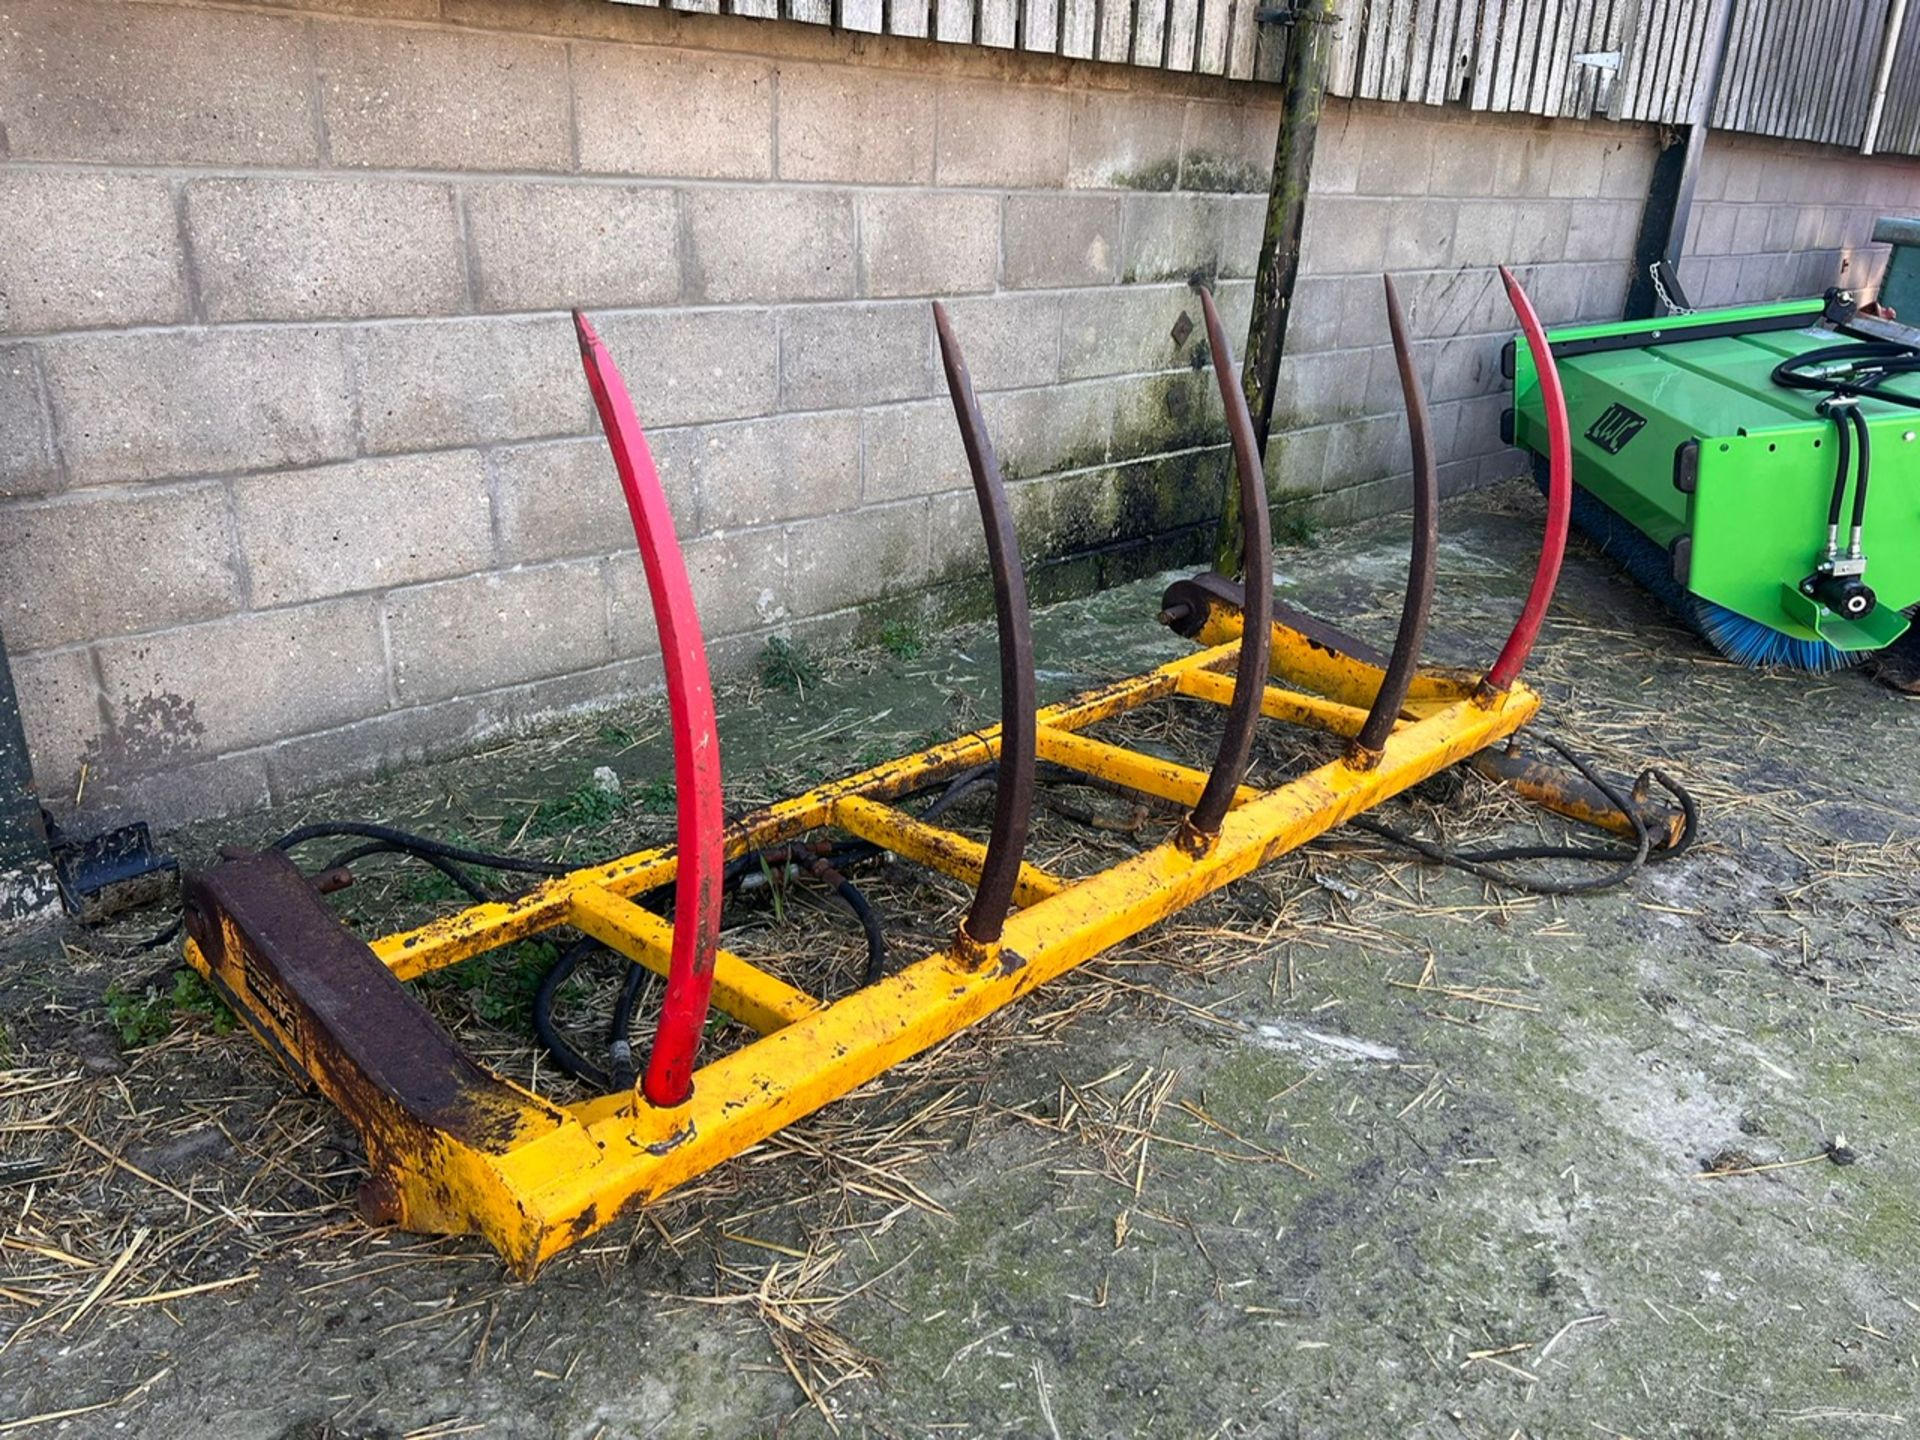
x=1691, y=442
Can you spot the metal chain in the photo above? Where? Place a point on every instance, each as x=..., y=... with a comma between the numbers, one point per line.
x=1660, y=289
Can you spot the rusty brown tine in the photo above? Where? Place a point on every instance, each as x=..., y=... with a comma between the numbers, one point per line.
x=1367, y=747
x=1013, y=791
x=1256, y=635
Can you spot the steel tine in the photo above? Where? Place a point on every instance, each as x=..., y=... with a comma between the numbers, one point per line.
x=1198, y=830
x=1553, y=546
x=1013, y=791
x=1366, y=748
x=696, y=740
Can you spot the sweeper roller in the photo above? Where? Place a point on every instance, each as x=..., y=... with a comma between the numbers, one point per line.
x=1756, y=467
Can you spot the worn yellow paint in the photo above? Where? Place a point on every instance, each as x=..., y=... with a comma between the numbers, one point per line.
x=454, y=938
x=533, y=1196
x=1305, y=662
x=935, y=848
x=1276, y=703
x=1117, y=765
x=750, y=995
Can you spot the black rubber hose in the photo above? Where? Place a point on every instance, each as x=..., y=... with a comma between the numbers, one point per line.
x=961, y=786
x=1865, y=468
x=469, y=886
x=419, y=845
x=869, y=922
x=1887, y=358
x=620, y=1028
x=563, y=1053
x=443, y=858
x=1843, y=437
x=1626, y=862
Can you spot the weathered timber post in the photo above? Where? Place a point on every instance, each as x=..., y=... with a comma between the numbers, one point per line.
x=1303, y=75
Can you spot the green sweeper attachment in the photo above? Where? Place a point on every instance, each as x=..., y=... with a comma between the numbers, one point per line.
x=1756, y=467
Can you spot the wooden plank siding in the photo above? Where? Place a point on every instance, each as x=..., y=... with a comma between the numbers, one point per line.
x=1795, y=69
x=1900, y=124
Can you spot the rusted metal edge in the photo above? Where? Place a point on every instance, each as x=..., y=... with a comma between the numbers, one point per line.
x=334, y=1013
x=1014, y=789
x=1256, y=640
x=1368, y=745
x=1185, y=604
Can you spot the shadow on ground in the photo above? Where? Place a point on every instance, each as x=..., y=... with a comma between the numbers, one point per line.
x=1358, y=1148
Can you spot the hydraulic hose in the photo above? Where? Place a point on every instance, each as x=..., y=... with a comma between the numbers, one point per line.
x=562, y=1051
x=467, y=885
x=419, y=845
x=1846, y=374
x=1860, y=367
x=1865, y=470
x=1625, y=862
x=1843, y=469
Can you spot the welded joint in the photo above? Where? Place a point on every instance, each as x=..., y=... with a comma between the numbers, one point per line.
x=1192, y=841
x=1360, y=756
x=983, y=957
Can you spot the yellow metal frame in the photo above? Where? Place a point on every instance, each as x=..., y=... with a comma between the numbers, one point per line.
x=537, y=1177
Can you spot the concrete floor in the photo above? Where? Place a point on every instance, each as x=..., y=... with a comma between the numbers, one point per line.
x=1240, y=1180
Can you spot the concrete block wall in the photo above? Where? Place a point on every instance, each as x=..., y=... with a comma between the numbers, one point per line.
x=1439, y=198
x=1774, y=220
x=300, y=476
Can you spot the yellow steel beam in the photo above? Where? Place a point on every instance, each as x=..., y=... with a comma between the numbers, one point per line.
x=534, y=1189
x=743, y=990
x=1146, y=774
x=745, y=1096
x=453, y=938
x=1302, y=661
x=1278, y=704
x=935, y=848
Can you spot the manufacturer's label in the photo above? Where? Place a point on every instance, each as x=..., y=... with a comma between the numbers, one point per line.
x=265, y=988
x=1615, y=427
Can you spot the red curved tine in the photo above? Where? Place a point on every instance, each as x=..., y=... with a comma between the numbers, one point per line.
x=1369, y=744
x=696, y=741
x=1559, y=497
x=1256, y=636
x=1013, y=793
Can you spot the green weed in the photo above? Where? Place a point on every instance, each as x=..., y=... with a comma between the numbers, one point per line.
x=655, y=797
x=498, y=986
x=900, y=639
x=1295, y=527
x=586, y=805
x=787, y=666
x=140, y=1019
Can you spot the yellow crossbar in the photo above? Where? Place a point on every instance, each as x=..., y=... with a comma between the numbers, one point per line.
x=1145, y=774
x=746, y=992
x=935, y=848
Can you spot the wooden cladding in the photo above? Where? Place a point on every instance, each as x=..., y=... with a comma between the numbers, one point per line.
x=1797, y=69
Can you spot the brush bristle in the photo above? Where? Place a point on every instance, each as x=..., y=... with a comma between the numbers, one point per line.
x=1750, y=643
x=1741, y=639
